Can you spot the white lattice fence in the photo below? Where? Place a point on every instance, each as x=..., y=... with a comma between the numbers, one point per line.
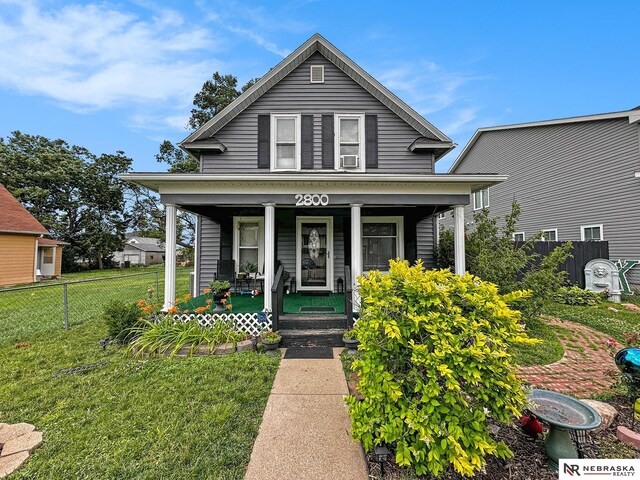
x=246, y=322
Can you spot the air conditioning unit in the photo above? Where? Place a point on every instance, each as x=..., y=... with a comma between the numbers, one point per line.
x=349, y=161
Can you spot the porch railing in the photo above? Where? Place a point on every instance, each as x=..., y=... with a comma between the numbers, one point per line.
x=277, y=298
x=348, y=296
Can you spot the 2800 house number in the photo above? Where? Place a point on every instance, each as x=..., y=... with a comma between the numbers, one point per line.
x=311, y=199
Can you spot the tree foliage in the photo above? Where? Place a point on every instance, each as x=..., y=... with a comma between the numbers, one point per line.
x=492, y=255
x=77, y=195
x=436, y=366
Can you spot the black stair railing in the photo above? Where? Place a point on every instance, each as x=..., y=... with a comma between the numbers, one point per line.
x=277, y=298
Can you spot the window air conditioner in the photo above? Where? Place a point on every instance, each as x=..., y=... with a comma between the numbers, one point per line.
x=349, y=161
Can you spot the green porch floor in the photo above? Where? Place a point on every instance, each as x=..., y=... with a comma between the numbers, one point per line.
x=292, y=303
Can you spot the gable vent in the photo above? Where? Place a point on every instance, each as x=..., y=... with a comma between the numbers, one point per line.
x=317, y=73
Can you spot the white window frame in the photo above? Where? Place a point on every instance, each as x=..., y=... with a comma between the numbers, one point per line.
x=513, y=236
x=361, y=143
x=475, y=203
x=399, y=221
x=311, y=67
x=546, y=230
x=599, y=225
x=236, y=240
x=298, y=143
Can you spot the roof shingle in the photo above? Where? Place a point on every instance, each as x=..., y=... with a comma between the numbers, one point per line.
x=15, y=218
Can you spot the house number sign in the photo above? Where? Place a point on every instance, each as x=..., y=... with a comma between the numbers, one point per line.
x=311, y=199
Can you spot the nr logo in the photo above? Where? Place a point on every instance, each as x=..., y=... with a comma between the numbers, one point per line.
x=572, y=469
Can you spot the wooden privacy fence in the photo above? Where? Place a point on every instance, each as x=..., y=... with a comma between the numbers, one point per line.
x=582, y=253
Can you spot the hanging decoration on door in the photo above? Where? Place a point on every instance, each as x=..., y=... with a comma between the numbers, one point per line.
x=314, y=244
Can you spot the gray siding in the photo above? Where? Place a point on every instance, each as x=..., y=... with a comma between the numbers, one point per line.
x=339, y=93
x=565, y=176
x=425, y=242
x=209, y=245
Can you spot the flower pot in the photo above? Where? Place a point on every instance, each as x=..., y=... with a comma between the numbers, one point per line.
x=351, y=345
x=270, y=346
x=218, y=297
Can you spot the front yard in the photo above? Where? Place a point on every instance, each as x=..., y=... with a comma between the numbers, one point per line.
x=166, y=418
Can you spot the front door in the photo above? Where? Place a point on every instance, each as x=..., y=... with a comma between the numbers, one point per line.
x=314, y=253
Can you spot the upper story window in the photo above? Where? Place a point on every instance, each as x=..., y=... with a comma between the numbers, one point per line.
x=481, y=199
x=591, y=233
x=285, y=141
x=349, y=143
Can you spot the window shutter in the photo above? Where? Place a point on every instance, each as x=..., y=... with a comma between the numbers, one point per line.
x=307, y=142
x=327, y=142
x=264, y=139
x=371, y=139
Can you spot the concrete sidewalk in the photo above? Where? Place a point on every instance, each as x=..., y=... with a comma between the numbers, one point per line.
x=305, y=431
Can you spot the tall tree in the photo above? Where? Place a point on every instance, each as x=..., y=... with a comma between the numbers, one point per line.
x=178, y=160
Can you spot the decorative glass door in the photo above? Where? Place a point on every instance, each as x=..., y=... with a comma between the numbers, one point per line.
x=314, y=253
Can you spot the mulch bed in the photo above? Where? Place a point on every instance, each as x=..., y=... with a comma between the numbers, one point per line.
x=530, y=460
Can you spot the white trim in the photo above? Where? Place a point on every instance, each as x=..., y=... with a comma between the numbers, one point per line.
x=330, y=252
x=36, y=261
x=196, y=255
x=399, y=222
x=311, y=67
x=298, y=141
x=170, y=257
x=513, y=236
x=236, y=241
x=459, y=240
x=480, y=192
x=545, y=230
x=599, y=225
x=631, y=114
x=361, y=141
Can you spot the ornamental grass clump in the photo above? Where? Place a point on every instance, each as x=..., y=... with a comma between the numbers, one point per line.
x=435, y=367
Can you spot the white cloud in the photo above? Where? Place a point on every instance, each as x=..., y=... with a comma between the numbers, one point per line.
x=261, y=41
x=461, y=119
x=95, y=56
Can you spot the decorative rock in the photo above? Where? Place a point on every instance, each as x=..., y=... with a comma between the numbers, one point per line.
x=9, y=432
x=24, y=443
x=631, y=306
x=225, y=349
x=612, y=309
x=11, y=463
x=606, y=411
x=628, y=437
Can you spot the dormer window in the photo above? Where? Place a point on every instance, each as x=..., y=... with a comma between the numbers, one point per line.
x=285, y=142
x=349, y=142
x=316, y=73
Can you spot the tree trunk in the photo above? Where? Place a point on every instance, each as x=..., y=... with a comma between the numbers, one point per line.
x=100, y=265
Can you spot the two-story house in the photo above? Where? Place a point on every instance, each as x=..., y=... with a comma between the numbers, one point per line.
x=316, y=167
x=575, y=178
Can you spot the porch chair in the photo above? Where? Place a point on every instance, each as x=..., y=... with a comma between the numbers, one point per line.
x=227, y=271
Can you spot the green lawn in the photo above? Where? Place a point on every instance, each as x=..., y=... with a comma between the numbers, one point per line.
x=548, y=351
x=598, y=317
x=37, y=310
x=159, y=419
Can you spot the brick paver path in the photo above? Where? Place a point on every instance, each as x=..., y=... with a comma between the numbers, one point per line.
x=584, y=370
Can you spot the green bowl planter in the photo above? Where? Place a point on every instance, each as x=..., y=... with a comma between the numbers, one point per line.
x=351, y=344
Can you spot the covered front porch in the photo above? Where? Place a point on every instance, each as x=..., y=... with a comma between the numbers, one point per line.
x=320, y=231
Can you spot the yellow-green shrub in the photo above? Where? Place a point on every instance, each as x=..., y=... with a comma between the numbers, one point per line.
x=435, y=365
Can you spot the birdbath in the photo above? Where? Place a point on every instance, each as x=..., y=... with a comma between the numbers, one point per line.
x=562, y=413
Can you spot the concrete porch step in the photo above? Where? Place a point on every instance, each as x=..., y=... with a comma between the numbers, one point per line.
x=326, y=337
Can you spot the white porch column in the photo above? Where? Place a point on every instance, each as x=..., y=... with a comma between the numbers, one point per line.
x=356, y=250
x=269, y=251
x=458, y=234
x=170, y=258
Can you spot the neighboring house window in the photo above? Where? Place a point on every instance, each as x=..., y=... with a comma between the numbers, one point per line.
x=591, y=232
x=518, y=236
x=285, y=142
x=550, y=235
x=382, y=240
x=47, y=256
x=441, y=216
x=248, y=242
x=150, y=257
x=349, y=142
x=481, y=199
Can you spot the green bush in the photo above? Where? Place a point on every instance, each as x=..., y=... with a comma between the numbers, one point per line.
x=121, y=319
x=168, y=336
x=435, y=365
x=577, y=296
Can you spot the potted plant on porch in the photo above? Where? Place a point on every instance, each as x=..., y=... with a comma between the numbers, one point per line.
x=271, y=340
x=350, y=340
x=220, y=292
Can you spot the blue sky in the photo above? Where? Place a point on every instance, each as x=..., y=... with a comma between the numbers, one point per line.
x=121, y=75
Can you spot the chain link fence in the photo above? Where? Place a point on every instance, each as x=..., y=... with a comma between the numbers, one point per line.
x=38, y=309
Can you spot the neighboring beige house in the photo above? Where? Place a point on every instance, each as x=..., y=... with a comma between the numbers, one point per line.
x=140, y=251
x=25, y=256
